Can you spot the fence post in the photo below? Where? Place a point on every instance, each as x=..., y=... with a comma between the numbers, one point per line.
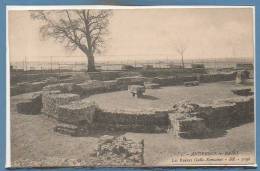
x=51, y=63
x=59, y=72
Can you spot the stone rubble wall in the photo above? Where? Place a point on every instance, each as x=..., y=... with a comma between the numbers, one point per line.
x=17, y=77
x=90, y=87
x=137, y=121
x=26, y=87
x=189, y=120
x=77, y=112
x=207, y=78
x=123, y=82
x=203, y=78
x=63, y=87
x=104, y=76
x=83, y=85
x=52, y=100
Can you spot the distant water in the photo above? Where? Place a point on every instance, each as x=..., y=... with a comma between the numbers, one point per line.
x=111, y=66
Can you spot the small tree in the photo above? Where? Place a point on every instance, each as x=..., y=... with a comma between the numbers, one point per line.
x=181, y=49
x=83, y=29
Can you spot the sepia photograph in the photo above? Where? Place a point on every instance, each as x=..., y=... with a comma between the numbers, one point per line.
x=118, y=86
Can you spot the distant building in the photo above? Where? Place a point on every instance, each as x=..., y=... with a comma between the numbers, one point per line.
x=247, y=66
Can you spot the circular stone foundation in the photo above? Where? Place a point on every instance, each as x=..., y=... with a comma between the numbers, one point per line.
x=165, y=97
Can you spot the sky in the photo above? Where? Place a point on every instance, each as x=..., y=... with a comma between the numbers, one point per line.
x=146, y=34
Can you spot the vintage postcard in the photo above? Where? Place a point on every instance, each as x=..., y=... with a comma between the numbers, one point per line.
x=117, y=86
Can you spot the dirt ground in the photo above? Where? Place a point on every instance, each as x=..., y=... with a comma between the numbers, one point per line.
x=33, y=138
x=166, y=97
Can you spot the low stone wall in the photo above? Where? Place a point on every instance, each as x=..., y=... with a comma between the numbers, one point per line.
x=137, y=121
x=204, y=78
x=26, y=87
x=82, y=85
x=170, y=72
x=193, y=120
x=63, y=87
x=105, y=75
x=77, y=112
x=52, y=101
x=123, y=82
x=90, y=87
x=231, y=112
x=184, y=120
x=21, y=76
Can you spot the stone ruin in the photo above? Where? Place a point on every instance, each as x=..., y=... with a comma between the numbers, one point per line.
x=184, y=120
x=189, y=120
x=76, y=112
x=150, y=85
x=136, y=90
x=242, y=76
x=51, y=102
x=31, y=106
x=84, y=84
x=119, y=151
x=63, y=102
x=241, y=91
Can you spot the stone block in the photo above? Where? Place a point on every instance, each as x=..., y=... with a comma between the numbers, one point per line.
x=137, y=90
x=111, y=85
x=242, y=91
x=149, y=85
x=191, y=83
x=30, y=106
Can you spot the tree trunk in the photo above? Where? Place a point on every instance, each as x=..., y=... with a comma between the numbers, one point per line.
x=91, y=64
x=182, y=61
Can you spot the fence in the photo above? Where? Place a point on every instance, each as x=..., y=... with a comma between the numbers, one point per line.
x=109, y=65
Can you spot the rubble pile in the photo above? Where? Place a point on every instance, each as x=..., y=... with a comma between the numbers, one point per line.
x=120, y=151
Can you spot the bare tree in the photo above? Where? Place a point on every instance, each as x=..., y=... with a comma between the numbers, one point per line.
x=83, y=29
x=181, y=49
